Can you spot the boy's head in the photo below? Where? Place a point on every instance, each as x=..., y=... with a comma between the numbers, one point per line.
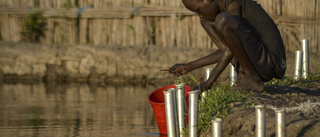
x=204, y=8
x=193, y=5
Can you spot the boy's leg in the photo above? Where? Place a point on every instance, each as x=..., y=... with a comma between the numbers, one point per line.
x=226, y=24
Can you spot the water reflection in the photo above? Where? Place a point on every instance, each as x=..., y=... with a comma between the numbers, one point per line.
x=64, y=110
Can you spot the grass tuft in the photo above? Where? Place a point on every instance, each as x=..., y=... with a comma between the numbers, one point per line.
x=34, y=26
x=287, y=81
x=216, y=105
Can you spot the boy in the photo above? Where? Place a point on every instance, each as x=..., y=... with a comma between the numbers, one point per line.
x=245, y=35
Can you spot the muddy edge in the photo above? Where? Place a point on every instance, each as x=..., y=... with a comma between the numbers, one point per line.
x=103, y=64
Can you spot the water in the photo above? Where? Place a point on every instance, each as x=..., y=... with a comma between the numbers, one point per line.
x=75, y=110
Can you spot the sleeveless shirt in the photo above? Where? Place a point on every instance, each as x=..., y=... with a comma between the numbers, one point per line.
x=267, y=31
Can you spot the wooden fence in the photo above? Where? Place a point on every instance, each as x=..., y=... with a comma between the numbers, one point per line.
x=146, y=22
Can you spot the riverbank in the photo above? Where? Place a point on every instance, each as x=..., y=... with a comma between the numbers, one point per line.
x=103, y=64
x=301, y=99
x=24, y=62
x=90, y=64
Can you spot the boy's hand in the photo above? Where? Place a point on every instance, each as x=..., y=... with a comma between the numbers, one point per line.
x=178, y=69
x=203, y=86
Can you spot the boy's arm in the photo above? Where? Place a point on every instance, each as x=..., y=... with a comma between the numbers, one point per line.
x=226, y=56
x=181, y=69
x=210, y=28
x=205, y=61
x=213, y=57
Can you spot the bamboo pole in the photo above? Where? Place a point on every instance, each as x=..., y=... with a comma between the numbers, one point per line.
x=318, y=26
x=179, y=33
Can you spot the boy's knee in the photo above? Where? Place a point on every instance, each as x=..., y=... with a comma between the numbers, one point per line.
x=221, y=21
x=228, y=52
x=225, y=21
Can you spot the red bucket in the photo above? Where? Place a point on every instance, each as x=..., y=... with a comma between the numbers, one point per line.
x=156, y=99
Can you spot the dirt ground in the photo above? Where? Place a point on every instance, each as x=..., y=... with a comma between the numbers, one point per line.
x=302, y=103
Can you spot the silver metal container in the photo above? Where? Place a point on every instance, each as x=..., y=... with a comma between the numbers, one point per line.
x=305, y=58
x=260, y=120
x=207, y=74
x=217, y=127
x=298, y=65
x=180, y=90
x=280, y=122
x=170, y=113
x=233, y=75
x=175, y=107
x=193, y=113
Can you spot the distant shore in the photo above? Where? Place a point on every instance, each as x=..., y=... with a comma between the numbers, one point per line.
x=103, y=64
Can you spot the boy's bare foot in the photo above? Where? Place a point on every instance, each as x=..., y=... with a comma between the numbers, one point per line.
x=249, y=84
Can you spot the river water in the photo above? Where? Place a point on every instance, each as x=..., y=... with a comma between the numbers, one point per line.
x=75, y=110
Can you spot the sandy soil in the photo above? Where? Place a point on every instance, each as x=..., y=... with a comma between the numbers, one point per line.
x=302, y=103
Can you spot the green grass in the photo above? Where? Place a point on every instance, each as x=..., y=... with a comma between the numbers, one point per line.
x=34, y=26
x=286, y=81
x=216, y=105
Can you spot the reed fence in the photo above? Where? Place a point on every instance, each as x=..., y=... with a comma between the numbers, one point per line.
x=163, y=23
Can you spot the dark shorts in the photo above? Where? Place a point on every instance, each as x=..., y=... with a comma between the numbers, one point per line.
x=257, y=52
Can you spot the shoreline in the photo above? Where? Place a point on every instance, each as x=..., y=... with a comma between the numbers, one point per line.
x=21, y=62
